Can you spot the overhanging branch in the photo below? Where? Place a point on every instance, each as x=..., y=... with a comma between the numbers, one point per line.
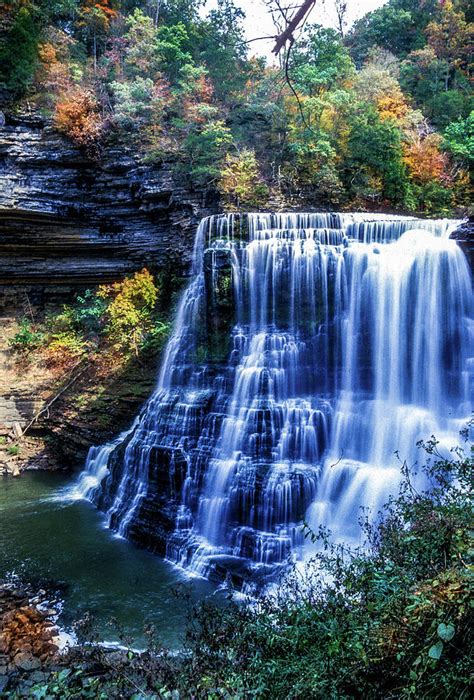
x=292, y=25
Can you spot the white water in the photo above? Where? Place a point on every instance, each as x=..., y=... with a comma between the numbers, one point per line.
x=351, y=339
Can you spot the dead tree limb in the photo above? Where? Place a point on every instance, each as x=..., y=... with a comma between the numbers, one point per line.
x=46, y=408
x=292, y=25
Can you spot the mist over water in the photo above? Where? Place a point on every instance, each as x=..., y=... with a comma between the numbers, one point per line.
x=308, y=349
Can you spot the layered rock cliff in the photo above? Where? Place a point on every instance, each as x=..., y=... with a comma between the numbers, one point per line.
x=67, y=222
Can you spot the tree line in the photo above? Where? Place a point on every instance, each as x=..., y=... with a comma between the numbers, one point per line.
x=380, y=118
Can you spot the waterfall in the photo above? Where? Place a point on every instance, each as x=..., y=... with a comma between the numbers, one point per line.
x=310, y=353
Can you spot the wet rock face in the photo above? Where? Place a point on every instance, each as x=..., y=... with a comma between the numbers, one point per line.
x=67, y=222
x=464, y=235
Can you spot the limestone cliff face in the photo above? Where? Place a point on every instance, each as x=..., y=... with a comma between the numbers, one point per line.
x=69, y=222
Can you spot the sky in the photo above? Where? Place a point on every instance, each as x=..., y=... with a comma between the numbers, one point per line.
x=258, y=20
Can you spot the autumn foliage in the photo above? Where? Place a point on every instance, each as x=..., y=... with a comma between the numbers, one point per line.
x=380, y=118
x=240, y=183
x=424, y=159
x=77, y=115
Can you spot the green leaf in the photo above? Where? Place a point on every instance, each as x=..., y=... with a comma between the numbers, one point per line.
x=62, y=675
x=436, y=650
x=446, y=632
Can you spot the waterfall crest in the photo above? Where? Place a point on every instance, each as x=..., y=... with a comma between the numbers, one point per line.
x=307, y=349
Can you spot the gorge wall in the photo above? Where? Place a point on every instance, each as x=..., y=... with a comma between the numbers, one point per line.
x=67, y=222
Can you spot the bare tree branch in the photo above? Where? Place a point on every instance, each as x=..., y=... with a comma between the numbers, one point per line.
x=293, y=24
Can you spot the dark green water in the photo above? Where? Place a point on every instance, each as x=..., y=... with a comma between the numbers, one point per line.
x=44, y=536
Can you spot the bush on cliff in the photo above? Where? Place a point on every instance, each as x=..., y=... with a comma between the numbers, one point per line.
x=114, y=321
x=77, y=115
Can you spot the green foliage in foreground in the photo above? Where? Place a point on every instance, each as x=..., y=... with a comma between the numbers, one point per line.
x=390, y=620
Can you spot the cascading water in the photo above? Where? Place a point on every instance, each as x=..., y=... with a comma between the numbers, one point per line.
x=307, y=349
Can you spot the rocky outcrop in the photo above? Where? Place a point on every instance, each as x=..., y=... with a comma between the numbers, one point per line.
x=28, y=635
x=67, y=222
x=464, y=235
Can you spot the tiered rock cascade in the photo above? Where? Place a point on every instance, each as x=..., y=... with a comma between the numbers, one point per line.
x=308, y=349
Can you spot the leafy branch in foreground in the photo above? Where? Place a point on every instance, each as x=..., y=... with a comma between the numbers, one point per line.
x=390, y=619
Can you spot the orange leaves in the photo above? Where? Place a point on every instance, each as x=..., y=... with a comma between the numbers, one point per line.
x=47, y=53
x=53, y=73
x=424, y=160
x=77, y=116
x=98, y=14
x=450, y=36
x=102, y=7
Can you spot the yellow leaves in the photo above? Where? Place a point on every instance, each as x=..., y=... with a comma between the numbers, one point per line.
x=450, y=36
x=328, y=118
x=47, y=53
x=423, y=158
x=129, y=309
x=140, y=289
x=392, y=106
x=240, y=180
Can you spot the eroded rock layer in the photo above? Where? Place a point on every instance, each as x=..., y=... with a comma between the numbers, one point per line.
x=68, y=222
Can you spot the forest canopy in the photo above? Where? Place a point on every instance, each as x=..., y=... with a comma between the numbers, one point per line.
x=379, y=118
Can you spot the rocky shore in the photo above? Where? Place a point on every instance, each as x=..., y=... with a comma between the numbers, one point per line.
x=38, y=660
x=29, y=639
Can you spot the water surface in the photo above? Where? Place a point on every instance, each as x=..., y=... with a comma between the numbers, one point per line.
x=43, y=536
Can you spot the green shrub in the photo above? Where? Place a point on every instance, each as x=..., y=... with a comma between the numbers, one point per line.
x=391, y=619
x=129, y=309
x=26, y=338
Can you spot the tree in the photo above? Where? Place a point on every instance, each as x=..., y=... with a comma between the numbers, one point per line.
x=424, y=159
x=140, y=54
x=19, y=50
x=319, y=61
x=375, y=159
x=222, y=48
x=172, y=49
x=398, y=27
x=140, y=102
x=77, y=115
x=95, y=17
x=129, y=309
x=458, y=139
x=240, y=182
x=340, y=7
x=205, y=147
x=450, y=36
